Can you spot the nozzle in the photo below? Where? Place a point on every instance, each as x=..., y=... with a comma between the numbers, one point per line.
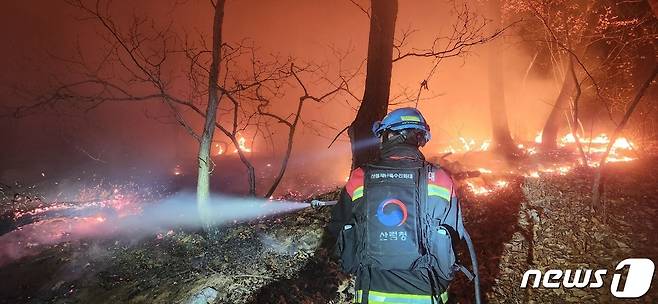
x=318, y=204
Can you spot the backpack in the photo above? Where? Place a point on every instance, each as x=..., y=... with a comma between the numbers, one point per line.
x=398, y=225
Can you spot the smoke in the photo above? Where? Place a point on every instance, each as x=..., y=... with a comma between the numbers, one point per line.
x=177, y=211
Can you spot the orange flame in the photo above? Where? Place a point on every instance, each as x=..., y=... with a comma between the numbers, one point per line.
x=596, y=144
x=242, y=145
x=467, y=145
x=479, y=190
x=220, y=149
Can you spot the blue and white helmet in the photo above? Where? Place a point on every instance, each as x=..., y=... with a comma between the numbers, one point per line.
x=402, y=119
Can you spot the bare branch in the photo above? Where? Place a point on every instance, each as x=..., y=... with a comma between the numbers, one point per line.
x=337, y=135
x=361, y=8
x=468, y=31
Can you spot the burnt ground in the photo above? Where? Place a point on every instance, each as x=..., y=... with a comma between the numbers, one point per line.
x=557, y=230
x=541, y=223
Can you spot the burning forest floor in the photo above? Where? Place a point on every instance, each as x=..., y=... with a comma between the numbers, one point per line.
x=538, y=221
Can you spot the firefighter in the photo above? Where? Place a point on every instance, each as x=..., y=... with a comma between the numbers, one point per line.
x=397, y=219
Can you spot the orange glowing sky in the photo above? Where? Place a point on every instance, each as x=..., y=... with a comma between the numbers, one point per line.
x=307, y=30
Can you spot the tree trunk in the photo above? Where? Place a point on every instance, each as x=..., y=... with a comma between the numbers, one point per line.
x=576, y=112
x=502, y=140
x=286, y=157
x=598, y=177
x=552, y=126
x=654, y=7
x=378, y=81
x=203, y=181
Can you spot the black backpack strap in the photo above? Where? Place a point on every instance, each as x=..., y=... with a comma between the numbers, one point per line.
x=437, y=289
x=454, y=236
x=362, y=246
x=424, y=208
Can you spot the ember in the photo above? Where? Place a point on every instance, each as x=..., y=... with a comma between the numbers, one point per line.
x=178, y=170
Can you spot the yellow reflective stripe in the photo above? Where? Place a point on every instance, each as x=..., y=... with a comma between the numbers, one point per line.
x=410, y=118
x=378, y=297
x=358, y=193
x=401, y=295
x=389, y=302
x=444, y=297
x=358, y=296
x=434, y=190
x=397, y=298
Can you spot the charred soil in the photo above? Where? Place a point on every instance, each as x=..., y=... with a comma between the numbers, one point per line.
x=533, y=223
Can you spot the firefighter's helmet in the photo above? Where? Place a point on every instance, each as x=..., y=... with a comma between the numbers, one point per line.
x=402, y=119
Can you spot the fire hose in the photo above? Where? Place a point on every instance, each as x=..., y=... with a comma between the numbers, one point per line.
x=467, y=239
x=474, y=265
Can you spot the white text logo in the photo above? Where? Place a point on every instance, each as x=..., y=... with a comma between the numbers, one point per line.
x=638, y=280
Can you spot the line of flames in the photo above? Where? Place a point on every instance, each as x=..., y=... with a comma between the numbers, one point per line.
x=593, y=146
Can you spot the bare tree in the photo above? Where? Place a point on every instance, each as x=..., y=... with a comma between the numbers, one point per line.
x=378, y=81
x=142, y=62
x=563, y=34
x=292, y=122
x=599, y=39
x=502, y=140
x=575, y=113
x=552, y=124
x=468, y=30
x=598, y=177
x=203, y=179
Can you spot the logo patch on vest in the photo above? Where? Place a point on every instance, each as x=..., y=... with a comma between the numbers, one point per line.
x=392, y=212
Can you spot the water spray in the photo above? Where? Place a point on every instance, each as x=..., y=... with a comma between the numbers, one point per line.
x=62, y=222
